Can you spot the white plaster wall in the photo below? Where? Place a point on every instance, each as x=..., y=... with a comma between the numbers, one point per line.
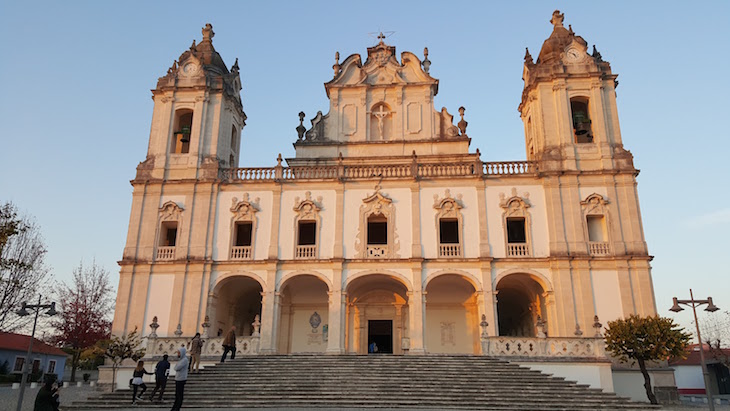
x=596, y=375
x=440, y=338
x=470, y=223
x=159, y=302
x=473, y=274
x=607, y=295
x=327, y=222
x=261, y=237
x=544, y=273
x=285, y=275
x=586, y=191
x=179, y=200
x=630, y=384
x=689, y=377
x=538, y=219
x=401, y=200
x=403, y=274
x=302, y=338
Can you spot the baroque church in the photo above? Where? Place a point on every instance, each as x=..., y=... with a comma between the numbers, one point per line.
x=386, y=227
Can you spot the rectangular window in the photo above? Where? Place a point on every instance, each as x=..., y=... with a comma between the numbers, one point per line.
x=18, y=366
x=244, y=232
x=51, y=366
x=307, y=233
x=596, y=228
x=377, y=231
x=449, y=231
x=168, y=234
x=36, y=366
x=516, y=230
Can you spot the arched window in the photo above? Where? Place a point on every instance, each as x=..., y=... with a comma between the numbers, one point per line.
x=448, y=225
x=170, y=219
x=182, y=129
x=243, y=228
x=234, y=147
x=595, y=211
x=306, y=226
x=516, y=221
x=377, y=237
x=381, y=122
x=581, y=120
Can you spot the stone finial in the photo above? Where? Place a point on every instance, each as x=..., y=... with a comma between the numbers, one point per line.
x=192, y=46
x=278, y=160
x=206, y=326
x=596, y=55
x=426, y=62
x=462, y=124
x=484, y=324
x=528, y=56
x=479, y=154
x=300, y=128
x=154, y=326
x=336, y=66
x=557, y=19
x=208, y=33
x=578, y=331
x=570, y=30
x=381, y=37
x=540, y=327
x=178, y=330
x=597, y=326
x=235, y=67
x=256, y=325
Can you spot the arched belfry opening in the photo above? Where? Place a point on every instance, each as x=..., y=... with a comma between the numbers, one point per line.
x=236, y=302
x=452, y=316
x=303, y=315
x=377, y=313
x=381, y=122
x=182, y=130
x=521, y=308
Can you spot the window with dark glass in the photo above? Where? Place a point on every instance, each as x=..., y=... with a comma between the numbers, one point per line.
x=377, y=229
x=307, y=233
x=448, y=231
x=168, y=234
x=243, y=234
x=516, y=230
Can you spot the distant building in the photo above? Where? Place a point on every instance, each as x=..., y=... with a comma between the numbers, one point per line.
x=46, y=358
x=384, y=228
x=688, y=372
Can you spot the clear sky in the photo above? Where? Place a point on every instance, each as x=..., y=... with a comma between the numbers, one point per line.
x=75, y=104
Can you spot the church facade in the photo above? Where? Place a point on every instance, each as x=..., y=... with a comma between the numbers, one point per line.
x=385, y=229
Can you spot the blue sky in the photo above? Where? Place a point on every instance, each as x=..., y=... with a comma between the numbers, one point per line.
x=75, y=104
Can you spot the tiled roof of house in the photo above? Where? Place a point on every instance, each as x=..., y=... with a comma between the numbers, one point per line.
x=19, y=342
x=693, y=355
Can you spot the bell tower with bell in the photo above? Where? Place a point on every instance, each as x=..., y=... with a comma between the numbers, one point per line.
x=568, y=106
x=198, y=117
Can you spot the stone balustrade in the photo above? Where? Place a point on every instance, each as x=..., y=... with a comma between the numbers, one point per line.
x=306, y=252
x=165, y=253
x=565, y=347
x=243, y=252
x=518, y=250
x=450, y=250
x=212, y=347
x=377, y=251
x=370, y=171
x=599, y=248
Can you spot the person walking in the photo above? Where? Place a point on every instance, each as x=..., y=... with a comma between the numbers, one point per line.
x=162, y=369
x=229, y=344
x=181, y=377
x=47, y=398
x=138, y=382
x=196, y=346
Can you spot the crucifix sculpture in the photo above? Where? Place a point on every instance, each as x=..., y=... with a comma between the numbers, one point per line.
x=380, y=115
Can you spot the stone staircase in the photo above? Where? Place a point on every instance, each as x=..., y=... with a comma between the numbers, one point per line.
x=376, y=381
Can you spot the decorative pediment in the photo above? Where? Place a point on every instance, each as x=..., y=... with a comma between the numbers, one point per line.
x=447, y=207
x=594, y=204
x=170, y=211
x=514, y=206
x=307, y=209
x=376, y=203
x=244, y=209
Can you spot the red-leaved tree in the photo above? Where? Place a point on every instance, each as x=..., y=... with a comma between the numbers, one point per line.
x=85, y=306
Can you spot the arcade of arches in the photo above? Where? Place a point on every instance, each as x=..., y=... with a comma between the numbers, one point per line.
x=377, y=311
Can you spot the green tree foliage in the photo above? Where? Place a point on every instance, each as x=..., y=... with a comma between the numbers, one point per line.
x=642, y=339
x=118, y=349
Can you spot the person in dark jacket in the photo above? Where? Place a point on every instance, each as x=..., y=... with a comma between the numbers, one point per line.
x=138, y=382
x=229, y=344
x=47, y=398
x=162, y=369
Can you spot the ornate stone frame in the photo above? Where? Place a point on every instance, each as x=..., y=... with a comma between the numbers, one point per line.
x=448, y=207
x=170, y=211
x=516, y=206
x=243, y=211
x=307, y=210
x=377, y=203
x=596, y=205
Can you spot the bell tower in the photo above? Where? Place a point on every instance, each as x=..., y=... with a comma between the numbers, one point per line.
x=569, y=106
x=197, y=118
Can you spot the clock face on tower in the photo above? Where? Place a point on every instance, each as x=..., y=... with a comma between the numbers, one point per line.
x=190, y=68
x=573, y=55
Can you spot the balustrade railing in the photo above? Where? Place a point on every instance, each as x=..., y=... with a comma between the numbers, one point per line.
x=243, y=252
x=369, y=171
x=213, y=346
x=377, y=251
x=165, y=253
x=304, y=252
x=518, y=250
x=599, y=248
x=450, y=250
x=552, y=347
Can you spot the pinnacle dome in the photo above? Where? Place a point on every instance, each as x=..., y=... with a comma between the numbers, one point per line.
x=559, y=39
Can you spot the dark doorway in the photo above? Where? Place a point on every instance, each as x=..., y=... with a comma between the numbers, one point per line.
x=380, y=332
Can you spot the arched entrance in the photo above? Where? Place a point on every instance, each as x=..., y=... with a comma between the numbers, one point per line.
x=237, y=302
x=303, y=319
x=452, y=324
x=377, y=312
x=520, y=300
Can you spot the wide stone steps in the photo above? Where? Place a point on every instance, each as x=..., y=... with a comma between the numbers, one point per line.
x=375, y=381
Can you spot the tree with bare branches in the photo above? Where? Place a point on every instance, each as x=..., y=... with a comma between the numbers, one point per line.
x=22, y=264
x=85, y=305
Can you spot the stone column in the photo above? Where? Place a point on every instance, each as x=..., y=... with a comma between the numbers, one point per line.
x=268, y=309
x=398, y=329
x=335, y=343
x=416, y=318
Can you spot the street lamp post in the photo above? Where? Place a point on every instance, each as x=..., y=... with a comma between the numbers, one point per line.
x=23, y=312
x=711, y=308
